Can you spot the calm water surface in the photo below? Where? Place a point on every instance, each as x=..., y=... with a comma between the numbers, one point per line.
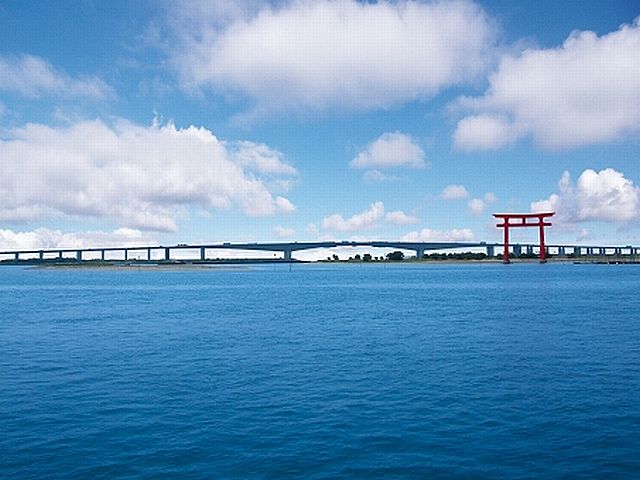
x=327, y=371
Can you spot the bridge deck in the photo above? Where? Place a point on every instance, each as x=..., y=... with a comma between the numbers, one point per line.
x=287, y=248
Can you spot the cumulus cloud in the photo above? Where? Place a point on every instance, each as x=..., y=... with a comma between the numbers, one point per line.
x=364, y=220
x=46, y=239
x=312, y=229
x=329, y=54
x=398, y=217
x=454, y=192
x=490, y=198
x=485, y=132
x=260, y=157
x=32, y=76
x=361, y=221
x=597, y=196
x=584, y=234
x=141, y=177
x=476, y=206
x=583, y=92
x=428, y=235
x=376, y=176
x=390, y=150
x=284, y=232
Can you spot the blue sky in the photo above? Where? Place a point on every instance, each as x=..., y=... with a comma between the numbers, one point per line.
x=131, y=122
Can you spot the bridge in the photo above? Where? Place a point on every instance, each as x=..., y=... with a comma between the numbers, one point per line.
x=285, y=248
x=164, y=253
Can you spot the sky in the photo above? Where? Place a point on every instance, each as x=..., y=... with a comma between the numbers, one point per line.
x=127, y=123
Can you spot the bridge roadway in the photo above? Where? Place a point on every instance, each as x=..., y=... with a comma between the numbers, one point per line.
x=287, y=249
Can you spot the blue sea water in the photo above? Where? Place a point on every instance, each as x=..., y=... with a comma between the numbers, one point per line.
x=325, y=371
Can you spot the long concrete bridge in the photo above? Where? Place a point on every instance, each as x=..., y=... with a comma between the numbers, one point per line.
x=287, y=249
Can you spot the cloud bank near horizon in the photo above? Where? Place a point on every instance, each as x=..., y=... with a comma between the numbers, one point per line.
x=141, y=177
x=45, y=239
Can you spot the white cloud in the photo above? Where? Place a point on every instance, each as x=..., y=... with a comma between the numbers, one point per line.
x=597, y=196
x=280, y=204
x=284, y=232
x=45, y=239
x=326, y=54
x=398, y=217
x=552, y=204
x=490, y=198
x=428, y=235
x=584, y=234
x=583, y=92
x=476, y=206
x=454, y=192
x=390, y=150
x=139, y=176
x=261, y=158
x=484, y=132
x=33, y=76
x=376, y=176
x=607, y=195
x=367, y=219
x=312, y=229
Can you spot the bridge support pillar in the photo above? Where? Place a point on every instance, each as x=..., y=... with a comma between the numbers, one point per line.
x=517, y=249
x=148, y=254
x=60, y=254
x=17, y=256
x=203, y=255
x=491, y=251
x=561, y=251
x=126, y=254
x=419, y=253
x=167, y=254
x=602, y=251
x=287, y=255
x=41, y=255
x=102, y=255
x=79, y=255
x=577, y=251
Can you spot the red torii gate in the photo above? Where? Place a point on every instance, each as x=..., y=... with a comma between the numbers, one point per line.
x=523, y=222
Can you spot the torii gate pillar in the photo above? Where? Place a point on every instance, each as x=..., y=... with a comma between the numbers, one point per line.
x=522, y=220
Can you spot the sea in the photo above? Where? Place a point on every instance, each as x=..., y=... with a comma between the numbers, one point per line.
x=321, y=371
